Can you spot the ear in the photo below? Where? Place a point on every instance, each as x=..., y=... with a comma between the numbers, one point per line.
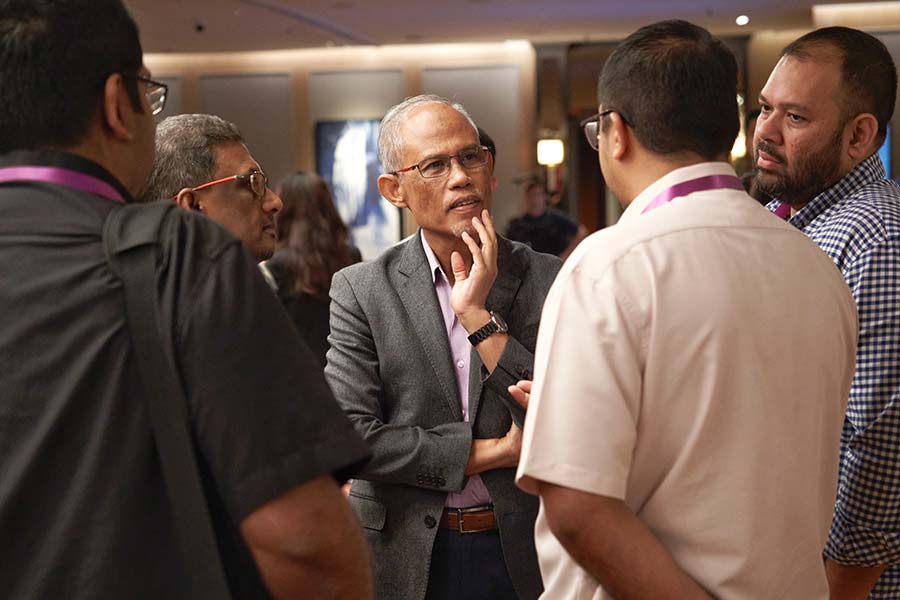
x=619, y=138
x=188, y=200
x=118, y=114
x=389, y=186
x=863, y=131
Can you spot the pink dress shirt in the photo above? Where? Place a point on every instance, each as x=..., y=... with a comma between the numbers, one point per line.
x=475, y=493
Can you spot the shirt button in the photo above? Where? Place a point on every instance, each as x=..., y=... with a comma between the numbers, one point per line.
x=430, y=522
x=460, y=363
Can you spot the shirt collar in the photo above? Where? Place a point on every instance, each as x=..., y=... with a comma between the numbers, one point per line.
x=63, y=160
x=679, y=175
x=866, y=172
x=433, y=263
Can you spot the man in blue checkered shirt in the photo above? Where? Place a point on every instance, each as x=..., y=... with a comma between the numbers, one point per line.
x=824, y=112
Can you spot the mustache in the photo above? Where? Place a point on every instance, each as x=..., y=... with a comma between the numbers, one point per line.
x=768, y=149
x=465, y=199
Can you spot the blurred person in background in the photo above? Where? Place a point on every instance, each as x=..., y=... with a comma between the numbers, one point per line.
x=543, y=227
x=313, y=244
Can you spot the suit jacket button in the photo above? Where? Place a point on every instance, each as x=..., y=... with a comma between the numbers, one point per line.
x=430, y=522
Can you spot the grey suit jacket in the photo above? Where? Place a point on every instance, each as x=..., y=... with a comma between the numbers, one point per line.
x=390, y=368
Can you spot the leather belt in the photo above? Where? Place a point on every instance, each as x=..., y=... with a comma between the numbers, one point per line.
x=469, y=520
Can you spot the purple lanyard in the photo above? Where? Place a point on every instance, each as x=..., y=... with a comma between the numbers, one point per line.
x=701, y=184
x=66, y=177
x=783, y=211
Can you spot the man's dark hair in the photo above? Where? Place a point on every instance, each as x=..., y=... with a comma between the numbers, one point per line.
x=676, y=86
x=55, y=57
x=536, y=183
x=486, y=140
x=868, y=74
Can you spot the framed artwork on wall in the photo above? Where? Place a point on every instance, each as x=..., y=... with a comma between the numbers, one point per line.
x=347, y=158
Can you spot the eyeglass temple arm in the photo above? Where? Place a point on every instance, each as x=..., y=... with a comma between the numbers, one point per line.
x=216, y=182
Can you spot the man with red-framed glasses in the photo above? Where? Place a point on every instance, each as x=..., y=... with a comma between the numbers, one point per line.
x=203, y=164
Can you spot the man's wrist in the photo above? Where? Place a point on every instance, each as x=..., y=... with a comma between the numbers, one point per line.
x=474, y=320
x=512, y=452
x=486, y=454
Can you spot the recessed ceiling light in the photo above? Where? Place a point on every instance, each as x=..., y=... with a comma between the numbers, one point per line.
x=742, y=20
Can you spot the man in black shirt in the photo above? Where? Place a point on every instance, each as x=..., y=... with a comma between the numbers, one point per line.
x=83, y=507
x=543, y=228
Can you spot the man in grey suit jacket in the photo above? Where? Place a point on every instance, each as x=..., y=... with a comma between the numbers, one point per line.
x=425, y=341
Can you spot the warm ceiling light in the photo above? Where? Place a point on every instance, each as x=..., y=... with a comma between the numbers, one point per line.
x=742, y=20
x=861, y=15
x=550, y=152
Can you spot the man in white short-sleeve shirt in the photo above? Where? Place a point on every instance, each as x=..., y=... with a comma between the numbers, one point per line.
x=693, y=362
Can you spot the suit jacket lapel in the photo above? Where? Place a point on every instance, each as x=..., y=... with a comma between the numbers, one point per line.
x=500, y=299
x=416, y=290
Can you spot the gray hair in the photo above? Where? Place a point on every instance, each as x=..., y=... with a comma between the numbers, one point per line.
x=390, y=142
x=185, y=153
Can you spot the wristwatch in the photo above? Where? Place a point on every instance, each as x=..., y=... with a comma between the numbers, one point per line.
x=495, y=325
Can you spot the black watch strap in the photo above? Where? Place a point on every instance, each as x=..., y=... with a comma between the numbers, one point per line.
x=496, y=324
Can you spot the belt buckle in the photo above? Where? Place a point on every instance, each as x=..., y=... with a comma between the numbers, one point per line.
x=460, y=517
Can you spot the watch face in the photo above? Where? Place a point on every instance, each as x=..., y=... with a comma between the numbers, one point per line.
x=501, y=324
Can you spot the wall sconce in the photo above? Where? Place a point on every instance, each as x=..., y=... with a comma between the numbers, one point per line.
x=550, y=152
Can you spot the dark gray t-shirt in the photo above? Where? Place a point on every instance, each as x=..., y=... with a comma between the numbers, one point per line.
x=551, y=233
x=83, y=510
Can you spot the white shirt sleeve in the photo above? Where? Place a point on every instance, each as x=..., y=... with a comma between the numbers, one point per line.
x=584, y=409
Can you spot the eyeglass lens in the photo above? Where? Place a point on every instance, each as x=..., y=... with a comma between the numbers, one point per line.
x=156, y=97
x=258, y=183
x=590, y=132
x=441, y=165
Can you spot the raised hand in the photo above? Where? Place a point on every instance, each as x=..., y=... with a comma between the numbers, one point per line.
x=471, y=287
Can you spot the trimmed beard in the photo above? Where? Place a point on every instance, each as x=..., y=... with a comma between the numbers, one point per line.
x=805, y=177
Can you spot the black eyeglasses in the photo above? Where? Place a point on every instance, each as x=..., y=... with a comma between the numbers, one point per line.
x=255, y=180
x=590, y=125
x=156, y=92
x=438, y=166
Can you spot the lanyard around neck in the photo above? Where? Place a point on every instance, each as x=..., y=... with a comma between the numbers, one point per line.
x=66, y=177
x=783, y=211
x=700, y=184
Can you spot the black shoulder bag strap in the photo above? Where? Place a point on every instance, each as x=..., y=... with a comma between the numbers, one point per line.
x=131, y=237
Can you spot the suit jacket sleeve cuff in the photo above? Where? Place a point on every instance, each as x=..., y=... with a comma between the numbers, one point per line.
x=515, y=363
x=443, y=465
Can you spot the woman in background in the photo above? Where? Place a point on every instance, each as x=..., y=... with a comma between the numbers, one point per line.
x=313, y=244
